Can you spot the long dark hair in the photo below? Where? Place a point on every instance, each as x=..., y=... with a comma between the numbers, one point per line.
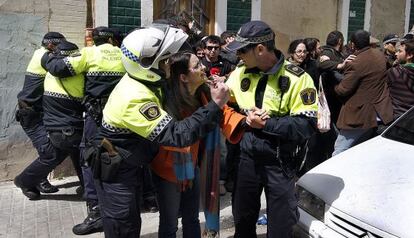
x=180, y=103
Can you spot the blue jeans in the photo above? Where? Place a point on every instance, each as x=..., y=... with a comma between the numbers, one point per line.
x=351, y=137
x=171, y=200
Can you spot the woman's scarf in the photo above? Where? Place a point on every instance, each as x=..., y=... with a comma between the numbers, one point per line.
x=209, y=179
x=183, y=169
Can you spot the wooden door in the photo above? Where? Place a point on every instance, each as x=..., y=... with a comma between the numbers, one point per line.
x=199, y=11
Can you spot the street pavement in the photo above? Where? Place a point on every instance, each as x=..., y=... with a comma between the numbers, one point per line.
x=54, y=215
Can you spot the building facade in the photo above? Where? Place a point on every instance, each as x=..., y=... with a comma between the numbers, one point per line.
x=24, y=22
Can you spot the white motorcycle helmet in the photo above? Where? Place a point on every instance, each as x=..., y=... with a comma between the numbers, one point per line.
x=144, y=48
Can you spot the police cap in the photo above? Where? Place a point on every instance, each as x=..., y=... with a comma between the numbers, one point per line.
x=53, y=38
x=102, y=31
x=253, y=32
x=390, y=38
x=66, y=48
x=408, y=36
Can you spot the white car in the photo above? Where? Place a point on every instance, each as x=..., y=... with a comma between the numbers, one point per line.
x=366, y=191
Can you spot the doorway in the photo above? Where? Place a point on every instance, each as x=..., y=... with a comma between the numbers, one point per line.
x=201, y=12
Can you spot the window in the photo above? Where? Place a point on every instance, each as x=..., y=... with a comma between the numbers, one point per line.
x=403, y=129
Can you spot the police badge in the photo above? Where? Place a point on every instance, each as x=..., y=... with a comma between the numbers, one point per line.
x=308, y=96
x=150, y=111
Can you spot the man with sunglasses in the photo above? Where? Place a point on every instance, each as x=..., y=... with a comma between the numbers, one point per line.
x=216, y=66
x=280, y=101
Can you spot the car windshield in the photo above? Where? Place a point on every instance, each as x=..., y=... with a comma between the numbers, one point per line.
x=403, y=129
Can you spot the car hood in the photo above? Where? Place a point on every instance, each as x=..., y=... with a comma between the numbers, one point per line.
x=372, y=182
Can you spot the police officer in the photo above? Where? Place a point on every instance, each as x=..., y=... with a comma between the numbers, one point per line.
x=62, y=105
x=102, y=66
x=281, y=103
x=134, y=125
x=32, y=180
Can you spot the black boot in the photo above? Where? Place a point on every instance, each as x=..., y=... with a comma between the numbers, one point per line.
x=92, y=223
x=45, y=187
x=31, y=193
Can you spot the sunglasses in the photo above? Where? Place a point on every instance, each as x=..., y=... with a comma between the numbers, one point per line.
x=213, y=47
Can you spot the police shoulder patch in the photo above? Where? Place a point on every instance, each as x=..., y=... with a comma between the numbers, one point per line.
x=308, y=96
x=150, y=111
x=295, y=70
x=245, y=84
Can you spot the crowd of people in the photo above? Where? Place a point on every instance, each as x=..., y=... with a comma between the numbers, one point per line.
x=169, y=119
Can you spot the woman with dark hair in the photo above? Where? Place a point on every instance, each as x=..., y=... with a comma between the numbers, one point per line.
x=313, y=46
x=299, y=56
x=297, y=52
x=178, y=177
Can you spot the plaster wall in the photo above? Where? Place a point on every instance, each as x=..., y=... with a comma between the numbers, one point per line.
x=299, y=19
x=387, y=17
x=22, y=26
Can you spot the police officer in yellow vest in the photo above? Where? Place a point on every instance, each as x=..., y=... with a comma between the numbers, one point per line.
x=135, y=124
x=281, y=103
x=33, y=180
x=102, y=66
x=62, y=106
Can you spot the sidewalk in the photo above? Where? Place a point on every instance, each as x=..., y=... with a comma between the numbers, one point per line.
x=54, y=215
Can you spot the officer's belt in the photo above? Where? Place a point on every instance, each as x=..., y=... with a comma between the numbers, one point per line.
x=68, y=131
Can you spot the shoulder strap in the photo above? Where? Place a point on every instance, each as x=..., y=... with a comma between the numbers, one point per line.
x=295, y=70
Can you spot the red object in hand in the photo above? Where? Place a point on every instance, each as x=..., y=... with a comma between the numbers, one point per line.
x=215, y=71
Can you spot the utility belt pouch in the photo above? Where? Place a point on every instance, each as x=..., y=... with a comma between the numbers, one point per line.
x=109, y=166
x=105, y=163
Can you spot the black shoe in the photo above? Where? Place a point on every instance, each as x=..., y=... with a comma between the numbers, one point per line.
x=91, y=224
x=80, y=190
x=45, y=187
x=150, y=205
x=31, y=193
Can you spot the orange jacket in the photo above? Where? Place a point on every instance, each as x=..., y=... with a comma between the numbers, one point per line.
x=163, y=164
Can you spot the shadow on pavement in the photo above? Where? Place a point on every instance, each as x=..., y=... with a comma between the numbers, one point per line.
x=65, y=197
x=68, y=185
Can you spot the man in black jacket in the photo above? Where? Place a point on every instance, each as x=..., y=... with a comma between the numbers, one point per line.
x=331, y=64
x=217, y=66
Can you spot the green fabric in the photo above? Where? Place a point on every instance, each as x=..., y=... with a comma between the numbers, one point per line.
x=411, y=65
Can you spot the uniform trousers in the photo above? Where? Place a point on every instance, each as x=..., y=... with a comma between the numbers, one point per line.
x=45, y=162
x=254, y=176
x=89, y=133
x=66, y=143
x=119, y=202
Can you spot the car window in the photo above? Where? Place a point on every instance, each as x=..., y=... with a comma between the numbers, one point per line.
x=403, y=129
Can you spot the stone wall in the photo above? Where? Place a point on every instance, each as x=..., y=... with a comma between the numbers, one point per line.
x=387, y=17
x=299, y=19
x=22, y=26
